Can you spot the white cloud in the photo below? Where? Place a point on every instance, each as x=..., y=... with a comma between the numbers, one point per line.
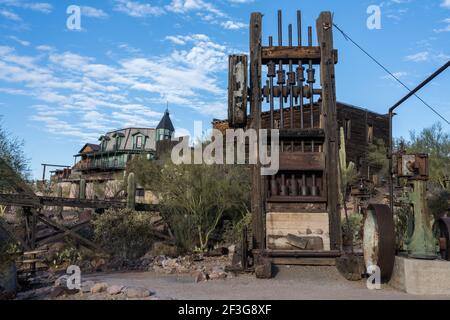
x=137, y=9
x=20, y=41
x=446, y=28
x=123, y=93
x=429, y=55
x=398, y=75
x=233, y=25
x=35, y=6
x=9, y=15
x=419, y=57
x=184, y=6
x=93, y=12
x=445, y=4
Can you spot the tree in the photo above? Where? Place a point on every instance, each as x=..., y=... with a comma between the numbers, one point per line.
x=436, y=142
x=11, y=150
x=195, y=197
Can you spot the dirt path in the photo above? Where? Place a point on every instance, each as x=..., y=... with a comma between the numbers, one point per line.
x=290, y=283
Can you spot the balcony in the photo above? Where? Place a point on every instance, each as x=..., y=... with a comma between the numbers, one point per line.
x=100, y=165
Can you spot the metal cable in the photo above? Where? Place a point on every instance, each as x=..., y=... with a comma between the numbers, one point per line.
x=390, y=73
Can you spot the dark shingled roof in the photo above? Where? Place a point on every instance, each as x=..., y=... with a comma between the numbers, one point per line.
x=94, y=147
x=165, y=122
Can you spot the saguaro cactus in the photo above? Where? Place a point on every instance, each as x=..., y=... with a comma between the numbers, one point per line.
x=348, y=172
x=131, y=191
x=59, y=192
x=82, y=189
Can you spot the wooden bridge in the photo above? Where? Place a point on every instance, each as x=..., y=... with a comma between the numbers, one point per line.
x=33, y=205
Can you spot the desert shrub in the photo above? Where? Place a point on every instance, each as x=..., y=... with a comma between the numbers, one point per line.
x=438, y=203
x=354, y=228
x=67, y=256
x=233, y=230
x=196, y=197
x=124, y=233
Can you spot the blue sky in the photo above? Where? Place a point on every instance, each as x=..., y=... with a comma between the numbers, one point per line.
x=61, y=88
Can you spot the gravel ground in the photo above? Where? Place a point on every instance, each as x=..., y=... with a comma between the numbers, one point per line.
x=289, y=283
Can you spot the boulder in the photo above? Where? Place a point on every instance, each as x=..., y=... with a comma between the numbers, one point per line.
x=86, y=286
x=136, y=292
x=61, y=281
x=200, y=276
x=99, y=287
x=114, y=289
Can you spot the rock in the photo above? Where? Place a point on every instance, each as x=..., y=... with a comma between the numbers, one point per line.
x=99, y=287
x=86, y=286
x=114, y=289
x=60, y=291
x=56, y=292
x=217, y=273
x=200, y=276
x=136, y=292
x=263, y=269
x=61, y=281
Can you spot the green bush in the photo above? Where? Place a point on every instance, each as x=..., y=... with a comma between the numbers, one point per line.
x=355, y=223
x=124, y=233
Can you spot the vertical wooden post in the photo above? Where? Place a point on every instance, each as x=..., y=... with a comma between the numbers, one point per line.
x=257, y=201
x=324, y=26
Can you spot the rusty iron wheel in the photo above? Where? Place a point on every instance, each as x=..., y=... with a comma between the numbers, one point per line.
x=379, y=239
x=444, y=237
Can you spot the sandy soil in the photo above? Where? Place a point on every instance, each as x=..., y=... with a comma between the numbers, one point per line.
x=289, y=283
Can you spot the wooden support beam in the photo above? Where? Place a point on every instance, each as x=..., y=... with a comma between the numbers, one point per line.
x=257, y=198
x=237, y=91
x=294, y=53
x=69, y=232
x=324, y=26
x=305, y=161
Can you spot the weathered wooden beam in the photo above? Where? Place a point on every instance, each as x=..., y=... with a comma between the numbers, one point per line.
x=24, y=200
x=292, y=53
x=69, y=232
x=305, y=161
x=324, y=26
x=237, y=90
x=257, y=200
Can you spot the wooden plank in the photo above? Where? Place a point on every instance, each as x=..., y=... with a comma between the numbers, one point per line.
x=324, y=26
x=299, y=261
x=237, y=91
x=69, y=232
x=257, y=198
x=291, y=53
x=315, y=133
x=302, y=253
x=281, y=224
x=304, y=161
x=296, y=199
x=296, y=207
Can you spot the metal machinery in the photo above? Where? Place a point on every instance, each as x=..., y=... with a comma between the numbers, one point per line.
x=296, y=219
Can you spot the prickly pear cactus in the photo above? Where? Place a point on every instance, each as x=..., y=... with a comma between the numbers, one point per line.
x=131, y=192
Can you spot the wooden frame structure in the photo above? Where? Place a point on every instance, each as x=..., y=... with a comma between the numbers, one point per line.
x=32, y=206
x=305, y=191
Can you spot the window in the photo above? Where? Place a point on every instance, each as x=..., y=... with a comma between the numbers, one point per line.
x=348, y=129
x=104, y=143
x=370, y=133
x=118, y=142
x=138, y=142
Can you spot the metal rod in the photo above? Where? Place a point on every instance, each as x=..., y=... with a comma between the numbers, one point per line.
x=311, y=101
x=391, y=115
x=271, y=75
x=301, y=79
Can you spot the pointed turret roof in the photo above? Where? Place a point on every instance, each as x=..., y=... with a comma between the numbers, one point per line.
x=165, y=122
